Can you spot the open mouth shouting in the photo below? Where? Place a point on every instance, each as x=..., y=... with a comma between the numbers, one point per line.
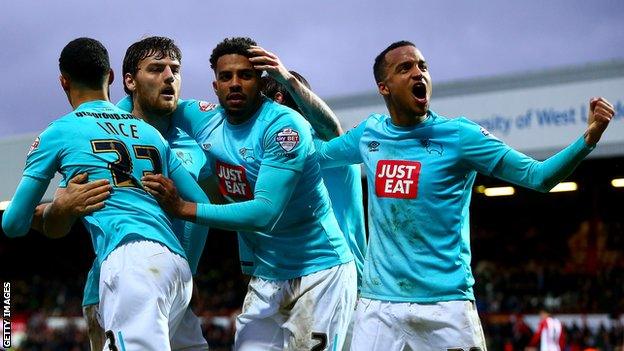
x=419, y=90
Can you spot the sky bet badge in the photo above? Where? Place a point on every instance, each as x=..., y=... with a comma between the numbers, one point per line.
x=288, y=139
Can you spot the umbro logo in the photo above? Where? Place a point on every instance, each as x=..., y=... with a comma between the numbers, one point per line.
x=373, y=146
x=206, y=146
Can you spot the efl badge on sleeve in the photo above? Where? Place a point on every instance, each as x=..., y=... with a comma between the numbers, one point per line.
x=34, y=146
x=206, y=106
x=287, y=139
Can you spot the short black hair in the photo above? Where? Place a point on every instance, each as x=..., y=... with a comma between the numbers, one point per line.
x=160, y=47
x=380, y=60
x=236, y=45
x=85, y=61
x=270, y=87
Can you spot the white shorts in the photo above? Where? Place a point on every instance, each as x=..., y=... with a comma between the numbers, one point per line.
x=392, y=326
x=306, y=313
x=349, y=334
x=187, y=337
x=144, y=292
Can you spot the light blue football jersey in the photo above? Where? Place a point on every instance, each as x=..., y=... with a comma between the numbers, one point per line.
x=307, y=237
x=344, y=185
x=112, y=144
x=419, y=187
x=193, y=160
x=91, y=294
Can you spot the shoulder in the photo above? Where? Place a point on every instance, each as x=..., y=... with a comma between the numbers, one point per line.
x=63, y=125
x=271, y=110
x=198, y=107
x=469, y=127
x=274, y=114
x=376, y=118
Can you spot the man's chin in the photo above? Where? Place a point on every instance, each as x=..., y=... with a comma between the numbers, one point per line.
x=167, y=106
x=421, y=109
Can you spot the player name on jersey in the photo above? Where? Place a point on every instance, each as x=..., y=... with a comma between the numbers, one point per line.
x=233, y=181
x=397, y=179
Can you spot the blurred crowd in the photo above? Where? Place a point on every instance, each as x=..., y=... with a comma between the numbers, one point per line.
x=580, y=272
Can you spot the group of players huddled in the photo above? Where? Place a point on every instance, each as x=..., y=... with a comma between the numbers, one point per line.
x=271, y=162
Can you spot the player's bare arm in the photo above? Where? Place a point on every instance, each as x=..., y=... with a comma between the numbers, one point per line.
x=601, y=112
x=314, y=109
x=78, y=199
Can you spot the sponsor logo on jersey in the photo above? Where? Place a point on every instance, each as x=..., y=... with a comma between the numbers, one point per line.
x=233, y=181
x=432, y=147
x=373, y=146
x=205, y=106
x=287, y=139
x=34, y=145
x=397, y=179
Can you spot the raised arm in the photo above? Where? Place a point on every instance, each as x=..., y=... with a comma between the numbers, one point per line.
x=314, y=109
x=488, y=155
x=520, y=169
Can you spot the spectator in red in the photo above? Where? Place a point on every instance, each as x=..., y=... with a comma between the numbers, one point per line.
x=550, y=334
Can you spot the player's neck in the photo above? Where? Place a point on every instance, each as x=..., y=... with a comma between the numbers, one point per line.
x=78, y=97
x=243, y=116
x=406, y=118
x=156, y=120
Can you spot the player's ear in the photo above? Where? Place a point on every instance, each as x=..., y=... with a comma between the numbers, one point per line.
x=129, y=82
x=111, y=77
x=279, y=98
x=383, y=88
x=214, y=86
x=64, y=82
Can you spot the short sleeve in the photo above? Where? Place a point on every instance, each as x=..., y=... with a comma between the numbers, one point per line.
x=43, y=159
x=480, y=150
x=287, y=142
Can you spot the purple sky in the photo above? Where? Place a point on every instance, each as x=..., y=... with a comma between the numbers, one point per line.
x=333, y=43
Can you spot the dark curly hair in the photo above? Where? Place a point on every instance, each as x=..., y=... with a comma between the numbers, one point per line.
x=379, y=69
x=85, y=61
x=270, y=87
x=159, y=47
x=237, y=45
